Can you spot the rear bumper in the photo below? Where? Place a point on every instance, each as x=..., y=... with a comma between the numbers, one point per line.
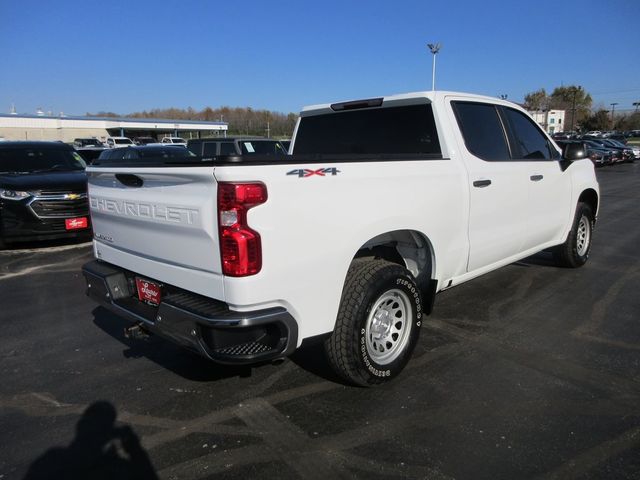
x=202, y=324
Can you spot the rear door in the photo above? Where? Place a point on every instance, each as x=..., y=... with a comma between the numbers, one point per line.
x=498, y=186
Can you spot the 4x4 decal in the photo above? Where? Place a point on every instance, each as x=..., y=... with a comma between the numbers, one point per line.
x=306, y=172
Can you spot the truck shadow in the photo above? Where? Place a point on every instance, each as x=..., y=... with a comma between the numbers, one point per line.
x=540, y=259
x=180, y=361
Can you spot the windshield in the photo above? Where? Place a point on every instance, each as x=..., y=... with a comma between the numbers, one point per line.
x=123, y=141
x=262, y=147
x=39, y=159
x=88, y=143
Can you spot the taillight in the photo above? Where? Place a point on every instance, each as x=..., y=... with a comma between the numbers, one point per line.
x=240, y=246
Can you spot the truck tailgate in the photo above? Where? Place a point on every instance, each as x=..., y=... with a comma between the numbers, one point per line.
x=162, y=221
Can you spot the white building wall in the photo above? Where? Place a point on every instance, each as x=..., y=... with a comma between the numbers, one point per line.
x=16, y=127
x=551, y=120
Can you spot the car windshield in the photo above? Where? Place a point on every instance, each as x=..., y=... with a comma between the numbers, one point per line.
x=89, y=143
x=122, y=141
x=39, y=159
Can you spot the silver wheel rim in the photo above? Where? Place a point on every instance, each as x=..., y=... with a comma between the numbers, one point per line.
x=583, y=236
x=388, y=326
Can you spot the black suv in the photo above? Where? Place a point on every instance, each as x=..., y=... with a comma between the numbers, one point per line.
x=145, y=152
x=212, y=147
x=43, y=192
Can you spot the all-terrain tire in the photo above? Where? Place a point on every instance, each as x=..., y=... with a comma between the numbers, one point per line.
x=378, y=323
x=574, y=252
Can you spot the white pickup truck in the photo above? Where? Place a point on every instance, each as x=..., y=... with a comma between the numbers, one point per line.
x=383, y=203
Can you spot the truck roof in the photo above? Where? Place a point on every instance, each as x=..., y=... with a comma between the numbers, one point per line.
x=399, y=99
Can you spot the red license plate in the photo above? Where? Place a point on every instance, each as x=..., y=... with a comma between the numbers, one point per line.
x=76, y=223
x=148, y=292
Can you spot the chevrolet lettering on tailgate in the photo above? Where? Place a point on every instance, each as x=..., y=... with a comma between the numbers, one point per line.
x=150, y=211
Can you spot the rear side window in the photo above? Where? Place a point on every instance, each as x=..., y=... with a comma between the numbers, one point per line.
x=228, y=148
x=529, y=142
x=482, y=130
x=209, y=149
x=391, y=130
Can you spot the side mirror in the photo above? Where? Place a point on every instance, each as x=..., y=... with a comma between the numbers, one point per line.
x=574, y=151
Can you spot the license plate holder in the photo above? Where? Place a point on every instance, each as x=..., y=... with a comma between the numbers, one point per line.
x=76, y=223
x=148, y=291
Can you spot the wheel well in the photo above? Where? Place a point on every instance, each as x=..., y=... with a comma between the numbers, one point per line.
x=590, y=197
x=410, y=249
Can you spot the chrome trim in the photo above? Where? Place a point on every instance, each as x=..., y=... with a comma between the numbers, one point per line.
x=61, y=196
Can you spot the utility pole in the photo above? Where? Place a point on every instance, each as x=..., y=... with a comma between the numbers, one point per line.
x=613, y=109
x=435, y=48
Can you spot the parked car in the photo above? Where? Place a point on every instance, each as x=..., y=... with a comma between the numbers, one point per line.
x=118, y=142
x=564, y=135
x=211, y=147
x=144, y=152
x=144, y=140
x=598, y=156
x=43, y=192
x=618, y=152
x=174, y=141
x=594, y=134
x=616, y=136
x=87, y=143
x=90, y=154
x=628, y=154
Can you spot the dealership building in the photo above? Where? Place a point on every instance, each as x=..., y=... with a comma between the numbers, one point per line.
x=67, y=128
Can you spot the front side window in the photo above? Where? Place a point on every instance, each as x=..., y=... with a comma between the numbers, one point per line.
x=530, y=142
x=482, y=130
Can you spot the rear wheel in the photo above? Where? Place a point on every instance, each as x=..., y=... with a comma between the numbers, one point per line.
x=574, y=252
x=378, y=323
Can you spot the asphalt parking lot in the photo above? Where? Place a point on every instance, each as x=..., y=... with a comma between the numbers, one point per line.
x=531, y=371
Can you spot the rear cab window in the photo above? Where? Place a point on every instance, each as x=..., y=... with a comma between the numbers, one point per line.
x=401, y=130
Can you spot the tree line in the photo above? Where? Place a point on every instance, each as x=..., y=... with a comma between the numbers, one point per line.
x=241, y=121
x=579, y=115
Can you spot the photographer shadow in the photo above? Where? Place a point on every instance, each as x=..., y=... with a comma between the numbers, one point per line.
x=100, y=450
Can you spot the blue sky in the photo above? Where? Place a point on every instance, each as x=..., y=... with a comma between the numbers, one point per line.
x=87, y=56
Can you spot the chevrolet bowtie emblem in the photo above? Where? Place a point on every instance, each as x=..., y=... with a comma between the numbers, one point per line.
x=72, y=196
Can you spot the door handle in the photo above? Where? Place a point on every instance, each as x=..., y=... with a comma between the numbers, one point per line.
x=536, y=178
x=482, y=183
x=129, y=180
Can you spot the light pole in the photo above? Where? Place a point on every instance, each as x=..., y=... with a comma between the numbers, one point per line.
x=613, y=109
x=435, y=48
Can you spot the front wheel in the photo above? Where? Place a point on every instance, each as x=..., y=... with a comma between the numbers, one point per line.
x=574, y=252
x=378, y=323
